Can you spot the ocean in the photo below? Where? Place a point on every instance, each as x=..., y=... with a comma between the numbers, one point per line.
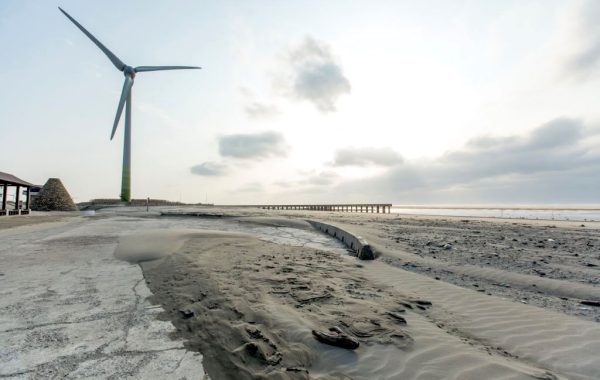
x=508, y=212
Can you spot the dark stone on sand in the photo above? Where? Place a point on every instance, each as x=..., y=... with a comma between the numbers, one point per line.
x=256, y=351
x=591, y=265
x=336, y=338
x=447, y=246
x=423, y=302
x=367, y=253
x=398, y=318
x=591, y=303
x=186, y=314
x=296, y=369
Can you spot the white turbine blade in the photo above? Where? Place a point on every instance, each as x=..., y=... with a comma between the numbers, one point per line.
x=124, y=94
x=141, y=69
x=113, y=58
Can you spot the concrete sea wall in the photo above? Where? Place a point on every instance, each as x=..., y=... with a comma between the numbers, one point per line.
x=359, y=245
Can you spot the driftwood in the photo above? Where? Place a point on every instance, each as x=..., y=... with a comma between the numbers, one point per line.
x=398, y=318
x=337, y=338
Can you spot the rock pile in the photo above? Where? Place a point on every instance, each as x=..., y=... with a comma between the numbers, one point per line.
x=53, y=197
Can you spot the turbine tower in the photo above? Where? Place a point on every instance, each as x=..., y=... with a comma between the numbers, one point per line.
x=125, y=101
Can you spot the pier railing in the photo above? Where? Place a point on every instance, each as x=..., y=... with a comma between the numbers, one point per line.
x=384, y=208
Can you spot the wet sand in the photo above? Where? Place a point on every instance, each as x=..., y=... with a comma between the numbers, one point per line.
x=247, y=297
x=550, y=264
x=249, y=305
x=553, y=265
x=254, y=304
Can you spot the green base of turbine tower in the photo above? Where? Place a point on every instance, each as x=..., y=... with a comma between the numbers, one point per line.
x=126, y=192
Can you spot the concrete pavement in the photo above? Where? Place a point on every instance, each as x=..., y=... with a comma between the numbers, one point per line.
x=69, y=309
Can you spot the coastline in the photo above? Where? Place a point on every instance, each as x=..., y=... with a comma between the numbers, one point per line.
x=257, y=289
x=552, y=302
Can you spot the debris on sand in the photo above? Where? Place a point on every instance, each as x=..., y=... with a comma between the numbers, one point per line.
x=338, y=338
x=185, y=314
x=591, y=303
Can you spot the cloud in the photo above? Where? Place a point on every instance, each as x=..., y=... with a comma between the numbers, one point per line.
x=583, y=41
x=316, y=75
x=209, y=168
x=257, y=110
x=251, y=187
x=257, y=145
x=283, y=184
x=366, y=157
x=312, y=180
x=557, y=162
x=325, y=178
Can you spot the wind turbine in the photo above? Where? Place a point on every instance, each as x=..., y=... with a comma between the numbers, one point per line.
x=125, y=101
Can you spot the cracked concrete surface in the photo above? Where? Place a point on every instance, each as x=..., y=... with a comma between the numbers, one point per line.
x=69, y=309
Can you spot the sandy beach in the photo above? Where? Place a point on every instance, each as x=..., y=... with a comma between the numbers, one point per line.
x=328, y=190
x=243, y=289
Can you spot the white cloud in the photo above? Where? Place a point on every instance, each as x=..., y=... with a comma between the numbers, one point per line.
x=251, y=187
x=366, y=156
x=554, y=162
x=316, y=75
x=582, y=43
x=258, y=110
x=211, y=169
x=257, y=145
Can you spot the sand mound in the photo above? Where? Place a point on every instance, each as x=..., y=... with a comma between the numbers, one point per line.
x=254, y=304
x=53, y=197
x=249, y=307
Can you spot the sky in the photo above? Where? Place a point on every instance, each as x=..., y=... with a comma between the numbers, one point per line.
x=404, y=102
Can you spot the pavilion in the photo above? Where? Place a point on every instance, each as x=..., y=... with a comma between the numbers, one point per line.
x=9, y=180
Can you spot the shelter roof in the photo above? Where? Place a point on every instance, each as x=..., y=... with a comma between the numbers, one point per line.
x=12, y=180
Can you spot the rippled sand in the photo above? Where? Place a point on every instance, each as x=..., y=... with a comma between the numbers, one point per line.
x=249, y=306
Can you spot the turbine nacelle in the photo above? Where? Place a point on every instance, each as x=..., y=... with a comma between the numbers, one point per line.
x=129, y=71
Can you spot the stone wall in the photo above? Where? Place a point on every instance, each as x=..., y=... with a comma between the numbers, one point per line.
x=359, y=245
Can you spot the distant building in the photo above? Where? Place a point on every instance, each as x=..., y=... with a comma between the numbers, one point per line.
x=34, y=191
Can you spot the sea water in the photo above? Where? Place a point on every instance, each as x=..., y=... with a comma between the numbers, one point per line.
x=513, y=213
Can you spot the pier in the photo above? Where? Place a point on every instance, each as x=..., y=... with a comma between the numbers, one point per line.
x=384, y=208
